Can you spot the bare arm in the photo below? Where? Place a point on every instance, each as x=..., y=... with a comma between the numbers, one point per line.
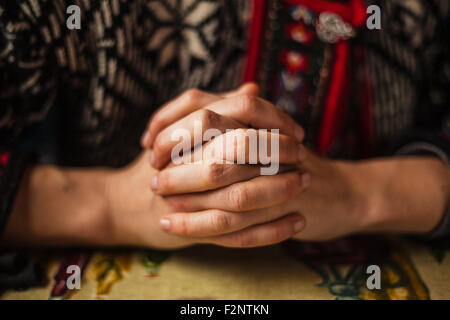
x=406, y=194
x=59, y=206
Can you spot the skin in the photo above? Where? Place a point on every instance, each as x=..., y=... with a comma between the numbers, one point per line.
x=336, y=198
x=58, y=206
x=168, y=206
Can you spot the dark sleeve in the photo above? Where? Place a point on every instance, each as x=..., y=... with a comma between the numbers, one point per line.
x=27, y=91
x=19, y=271
x=433, y=120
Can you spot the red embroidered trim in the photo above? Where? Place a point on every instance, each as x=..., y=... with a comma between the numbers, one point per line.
x=336, y=102
x=255, y=38
x=336, y=98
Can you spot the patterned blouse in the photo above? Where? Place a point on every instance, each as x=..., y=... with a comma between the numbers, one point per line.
x=83, y=97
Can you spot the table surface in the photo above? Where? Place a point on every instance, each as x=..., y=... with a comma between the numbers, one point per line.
x=291, y=270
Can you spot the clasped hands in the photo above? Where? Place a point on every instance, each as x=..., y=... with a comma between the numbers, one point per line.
x=217, y=193
x=231, y=204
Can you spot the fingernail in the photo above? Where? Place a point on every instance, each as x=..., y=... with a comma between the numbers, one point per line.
x=154, y=183
x=299, y=134
x=165, y=224
x=301, y=153
x=299, y=225
x=145, y=138
x=306, y=180
x=152, y=157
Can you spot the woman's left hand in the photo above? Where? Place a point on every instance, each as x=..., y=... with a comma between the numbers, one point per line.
x=335, y=198
x=325, y=197
x=322, y=198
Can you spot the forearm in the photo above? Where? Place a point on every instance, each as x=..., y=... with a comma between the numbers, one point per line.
x=59, y=206
x=407, y=195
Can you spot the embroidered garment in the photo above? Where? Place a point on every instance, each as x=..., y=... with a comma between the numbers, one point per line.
x=358, y=92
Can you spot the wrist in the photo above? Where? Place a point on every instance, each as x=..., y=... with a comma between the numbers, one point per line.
x=403, y=195
x=114, y=205
x=129, y=205
x=93, y=219
x=365, y=200
x=367, y=189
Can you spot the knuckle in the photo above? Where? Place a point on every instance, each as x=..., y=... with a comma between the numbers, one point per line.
x=193, y=95
x=215, y=173
x=208, y=118
x=220, y=221
x=239, y=198
x=239, y=141
x=246, y=103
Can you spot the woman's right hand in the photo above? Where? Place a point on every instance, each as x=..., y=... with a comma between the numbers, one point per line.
x=134, y=210
x=67, y=206
x=57, y=207
x=134, y=213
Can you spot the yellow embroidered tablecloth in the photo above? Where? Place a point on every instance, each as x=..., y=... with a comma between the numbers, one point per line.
x=291, y=270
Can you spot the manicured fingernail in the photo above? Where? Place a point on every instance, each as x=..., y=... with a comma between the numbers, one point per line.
x=299, y=225
x=301, y=153
x=165, y=224
x=152, y=157
x=306, y=180
x=154, y=183
x=145, y=138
